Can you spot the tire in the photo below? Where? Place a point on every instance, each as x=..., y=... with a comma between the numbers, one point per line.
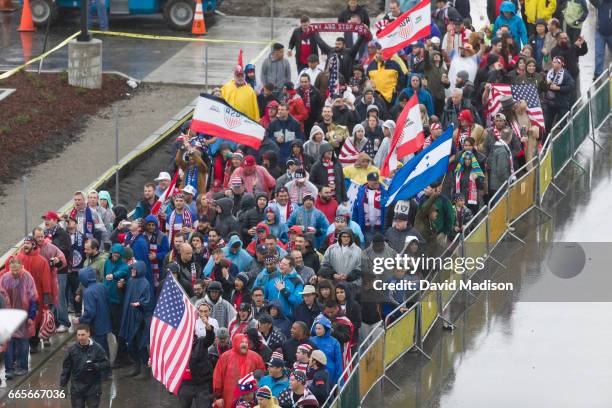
x=178, y=14
x=43, y=10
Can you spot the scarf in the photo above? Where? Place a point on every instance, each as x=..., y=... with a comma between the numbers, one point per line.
x=472, y=194
x=329, y=166
x=88, y=226
x=186, y=222
x=50, y=233
x=464, y=133
x=554, y=78
x=153, y=245
x=516, y=127
x=194, y=273
x=360, y=29
x=78, y=243
x=306, y=96
x=191, y=178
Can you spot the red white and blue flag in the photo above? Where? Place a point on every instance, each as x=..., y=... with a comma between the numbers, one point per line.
x=526, y=92
x=408, y=137
x=165, y=198
x=333, y=86
x=409, y=27
x=172, y=330
x=215, y=117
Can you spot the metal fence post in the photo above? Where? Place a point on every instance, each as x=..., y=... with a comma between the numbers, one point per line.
x=116, y=115
x=25, y=205
x=271, y=20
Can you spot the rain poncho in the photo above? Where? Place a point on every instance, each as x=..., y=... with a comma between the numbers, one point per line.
x=231, y=367
x=134, y=321
x=330, y=346
x=463, y=177
x=96, y=306
x=20, y=293
x=242, y=98
x=119, y=270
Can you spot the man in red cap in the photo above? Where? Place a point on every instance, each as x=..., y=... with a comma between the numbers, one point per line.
x=240, y=95
x=254, y=177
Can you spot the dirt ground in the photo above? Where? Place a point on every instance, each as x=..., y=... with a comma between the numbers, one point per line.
x=51, y=184
x=292, y=8
x=44, y=115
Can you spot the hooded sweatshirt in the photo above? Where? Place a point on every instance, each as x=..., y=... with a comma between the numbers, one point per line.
x=342, y=259
x=289, y=297
x=278, y=229
x=330, y=346
x=514, y=23
x=311, y=147
x=422, y=94
x=225, y=222
x=320, y=176
x=242, y=259
x=383, y=150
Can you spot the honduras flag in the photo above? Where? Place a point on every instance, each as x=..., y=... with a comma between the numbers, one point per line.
x=421, y=171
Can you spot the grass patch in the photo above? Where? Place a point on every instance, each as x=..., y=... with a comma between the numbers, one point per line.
x=81, y=91
x=22, y=119
x=5, y=130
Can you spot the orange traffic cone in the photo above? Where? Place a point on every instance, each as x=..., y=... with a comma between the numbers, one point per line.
x=198, y=26
x=6, y=5
x=26, y=45
x=27, y=24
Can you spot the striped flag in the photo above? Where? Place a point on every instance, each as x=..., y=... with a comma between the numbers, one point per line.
x=163, y=200
x=172, y=330
x=333, y=86
x=408, y=137
x=527, y=92
x=409, y=27
x=348, y=153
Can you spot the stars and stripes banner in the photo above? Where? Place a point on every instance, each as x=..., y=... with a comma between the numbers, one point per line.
x=215, y=117
x=172, y=330
x=408, y=137
x=333, y=86
x=409, y=27
x=527, y=92
x=348, y=153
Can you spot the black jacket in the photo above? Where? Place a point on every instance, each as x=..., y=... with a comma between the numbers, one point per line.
x=320, y=385
x=184, y=275
x=290, y=348
x=251, y=218
x=85, y=378
x=302, y=313
x=318, y=176
x=199, y=363
x=316, y=106
x=571, y=54
x=61, y=239
x=360, y=10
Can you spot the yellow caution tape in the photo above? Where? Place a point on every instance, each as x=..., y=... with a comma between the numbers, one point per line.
x=33, y=60
x=170, y=38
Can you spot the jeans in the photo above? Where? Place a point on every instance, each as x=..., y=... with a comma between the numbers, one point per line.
x=100, y=6
x=62, y=309
x=92, y=401
x=600, y=51
x=189, y=393
x=18, y=351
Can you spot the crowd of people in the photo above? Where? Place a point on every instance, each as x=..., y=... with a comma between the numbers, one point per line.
x=275, y=246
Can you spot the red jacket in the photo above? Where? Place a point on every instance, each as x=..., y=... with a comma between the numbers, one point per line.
x=298, y=110
x=329, y=208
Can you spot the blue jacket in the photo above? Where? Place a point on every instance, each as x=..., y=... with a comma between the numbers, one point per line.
x=423, y=95
x=330, y=346
x=290, y=129
x=96, y=306
x=119, y=270
x=310, y=218
x=290, y=297
x=276, y=385
x=241, y=259
x=163, y=247
x=359, y=210
x=515, y=23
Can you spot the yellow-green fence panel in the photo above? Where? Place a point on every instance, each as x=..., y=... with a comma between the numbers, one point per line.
x=429, y=311
x=546, y=172
x=371, y=365
x=521, y=195
x=497, y=221
x=400, y=337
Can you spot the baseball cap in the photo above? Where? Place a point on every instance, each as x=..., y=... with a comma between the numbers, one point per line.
x=249, y=160
x=373, y=176
x=299, y=174
x=51, y=215
x=261, y=249
x=189, y=190
x=163, y=176
x=401, y=217
x=290, y=162
x=307, y=197
x=235, y=182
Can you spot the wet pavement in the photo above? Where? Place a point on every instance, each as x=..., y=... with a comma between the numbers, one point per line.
x=150, y=60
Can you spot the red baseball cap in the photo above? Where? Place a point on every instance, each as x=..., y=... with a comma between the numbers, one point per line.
x=249, y=160
x=51, y=215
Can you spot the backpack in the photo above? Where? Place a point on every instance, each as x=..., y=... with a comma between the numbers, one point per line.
x=572, y=13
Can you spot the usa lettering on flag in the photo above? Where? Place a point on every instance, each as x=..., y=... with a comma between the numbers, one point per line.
x=172, y=330
x=527, y=92
x=409, y=27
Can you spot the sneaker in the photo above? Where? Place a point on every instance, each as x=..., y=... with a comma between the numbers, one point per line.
x=47, y=343
x=62, y=329
x=20, y=371
x=9, y=376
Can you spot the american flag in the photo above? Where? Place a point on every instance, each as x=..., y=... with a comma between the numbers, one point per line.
x=172, y=329
x=333, y=86
x=527, y=92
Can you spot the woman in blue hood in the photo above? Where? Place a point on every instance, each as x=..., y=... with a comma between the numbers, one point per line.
x=136, y=317
x=272, y=220
x=322, y=338
x=249, y=74
x=415, y=84
x=115, y=269
x=516, y=25
x=96, y=308
x=279, y=320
